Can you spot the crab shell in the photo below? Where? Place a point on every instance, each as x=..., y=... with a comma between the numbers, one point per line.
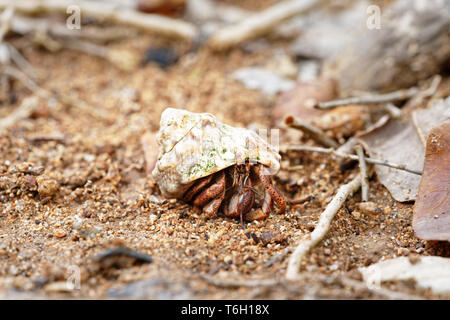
x=195, y=145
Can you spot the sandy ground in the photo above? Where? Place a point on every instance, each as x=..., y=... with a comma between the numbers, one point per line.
x=95, y=194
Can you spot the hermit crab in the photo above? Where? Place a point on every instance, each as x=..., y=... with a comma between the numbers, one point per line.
x=211, y=165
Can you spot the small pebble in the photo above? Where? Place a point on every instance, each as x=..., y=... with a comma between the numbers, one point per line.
x=369, y=208
x=47, y=187
x=59, y=233
x=402, y=252
x=58, y=286
x=163, y=57
x=356, y=215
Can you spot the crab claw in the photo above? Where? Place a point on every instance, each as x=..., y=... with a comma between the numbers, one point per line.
x=212, y=207
x=213, y=191
x=263, y=212
x=274, y=193
x=240, y=204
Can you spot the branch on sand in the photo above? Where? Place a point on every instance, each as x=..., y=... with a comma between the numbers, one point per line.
x=363, y=169
x=322, y=227
x=259, y=24
x=384, y=98
x=386, y=163
x=109, y=12
x=314, y=132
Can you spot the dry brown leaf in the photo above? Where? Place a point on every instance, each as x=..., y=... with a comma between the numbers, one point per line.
x=428, y=272
x=431, y=219
x=396, y=142
x=343, y=121
x=299, y=101
x=400, y=142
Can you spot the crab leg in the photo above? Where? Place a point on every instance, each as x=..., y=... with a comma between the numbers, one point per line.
x=266, y=209
x=274, y=193
x=240, y=204
x=212, y=207
x=192, y=191
x=213, y=191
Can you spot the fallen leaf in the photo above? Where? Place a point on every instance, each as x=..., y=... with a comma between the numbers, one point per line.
x=300, y=100
x=431, y=220
x=429, y=272
x=343, y=121
x=399, y=142
x=425, y=119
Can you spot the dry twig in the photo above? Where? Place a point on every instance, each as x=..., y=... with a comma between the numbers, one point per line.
x=259, y=24
x=239, y=283
x=278, y=257
x=6, y=19
x=342, y=280
x=294, y=202
x=322, y=227
x=393, y=111
x=315, y=133
x=123, y=59
x=26, y=25
x=393, y=295
x=349, y=156
x=373, y=99
x=21, y=112
x=64, y=99
x=363, y=170
x=385, y=98
x=111, y=12
x=26, y=81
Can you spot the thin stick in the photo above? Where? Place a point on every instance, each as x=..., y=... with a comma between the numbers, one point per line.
x=25, y=109
x=21, y=62
x=393, y=111
x=110, y=12
x=294, y=202
x=322, y=227
x=385, y=98
x=259, y=24
x=6, y=19
x=348, y=146
x=349, y=156
x=26, y=81
x=393, y=295
x=239, y=283
x=64, y=99
x=363, y=169
x=373, y=99
x=422, y=137
x=315, y=133
x=278, y=257
x=433, y=86
x=25, y=25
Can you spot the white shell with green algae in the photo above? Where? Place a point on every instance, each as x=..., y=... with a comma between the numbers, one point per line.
x=195, y=145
